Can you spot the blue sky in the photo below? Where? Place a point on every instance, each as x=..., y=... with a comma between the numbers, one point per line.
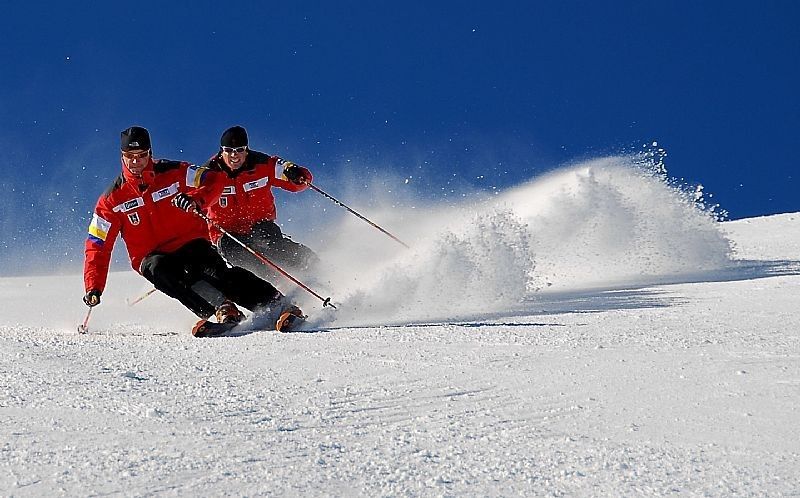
x=490, y=94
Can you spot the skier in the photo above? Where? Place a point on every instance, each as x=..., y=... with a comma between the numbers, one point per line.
x=247, y=210
x=151, y=205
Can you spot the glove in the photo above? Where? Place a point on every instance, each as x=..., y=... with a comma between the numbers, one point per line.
x=92, y=298
x=295, y=174
x=185, y=202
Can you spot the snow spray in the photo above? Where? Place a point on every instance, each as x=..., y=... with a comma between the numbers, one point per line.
x=596, y=224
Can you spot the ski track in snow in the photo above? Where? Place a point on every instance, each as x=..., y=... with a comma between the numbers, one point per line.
x=639, y=348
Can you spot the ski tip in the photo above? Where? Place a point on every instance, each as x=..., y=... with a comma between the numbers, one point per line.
x=205, y=328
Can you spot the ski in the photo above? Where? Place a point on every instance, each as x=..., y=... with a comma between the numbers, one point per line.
x=290, y=320
x=205, y=328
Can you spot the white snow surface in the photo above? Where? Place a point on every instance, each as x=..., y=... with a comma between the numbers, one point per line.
x=590, y=333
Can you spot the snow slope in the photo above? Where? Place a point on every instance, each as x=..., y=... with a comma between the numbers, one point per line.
x=591, y=333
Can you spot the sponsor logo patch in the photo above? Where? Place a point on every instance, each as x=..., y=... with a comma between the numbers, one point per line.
x=129, y=205
x=134, y=218
x=223, y=201
x=166, y=192
x=256, y=184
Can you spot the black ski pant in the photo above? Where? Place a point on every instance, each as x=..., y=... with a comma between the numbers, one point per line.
x=266, y=238
x=174, y=274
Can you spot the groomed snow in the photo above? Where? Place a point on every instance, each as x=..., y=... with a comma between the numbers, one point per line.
x=591, y=333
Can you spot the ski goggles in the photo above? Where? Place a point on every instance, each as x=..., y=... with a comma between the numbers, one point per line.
x=234, y=150
x=135, y=155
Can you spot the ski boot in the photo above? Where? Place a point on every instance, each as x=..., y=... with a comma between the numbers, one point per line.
x=228, y=316
x=227, y=312
x=290, y=318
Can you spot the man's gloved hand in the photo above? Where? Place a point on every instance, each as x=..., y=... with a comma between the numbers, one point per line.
x=92, y=298
x=185, y=202
x=296, y=174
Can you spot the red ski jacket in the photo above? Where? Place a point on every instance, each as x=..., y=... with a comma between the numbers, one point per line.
x=140, y=209
x=247, y=197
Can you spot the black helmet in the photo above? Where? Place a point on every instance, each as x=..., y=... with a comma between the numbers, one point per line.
x=235, y=136
x=135, y=137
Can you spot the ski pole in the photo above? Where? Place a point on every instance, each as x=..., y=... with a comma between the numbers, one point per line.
x=314, y=187
x=84, y=327
x=264, y=259
x=140, y=298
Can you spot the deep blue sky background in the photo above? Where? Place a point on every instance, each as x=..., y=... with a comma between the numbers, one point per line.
x=486, y=93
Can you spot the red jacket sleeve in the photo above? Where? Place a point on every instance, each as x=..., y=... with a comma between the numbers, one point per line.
x=103, y=231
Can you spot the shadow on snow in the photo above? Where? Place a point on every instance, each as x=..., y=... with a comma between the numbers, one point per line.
x=639, y=294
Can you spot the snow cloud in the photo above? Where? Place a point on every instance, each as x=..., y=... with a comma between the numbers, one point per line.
x=597, y=224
